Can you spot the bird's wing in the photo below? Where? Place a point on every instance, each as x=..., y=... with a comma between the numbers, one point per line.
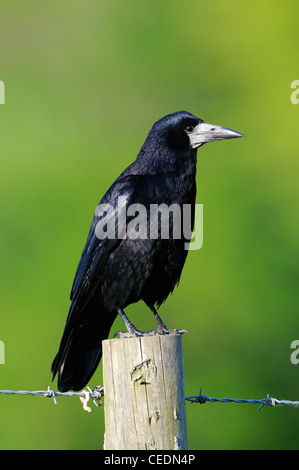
x=93, y=259
x=106, y=232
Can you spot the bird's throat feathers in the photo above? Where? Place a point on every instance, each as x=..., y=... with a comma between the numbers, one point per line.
x=157, y=158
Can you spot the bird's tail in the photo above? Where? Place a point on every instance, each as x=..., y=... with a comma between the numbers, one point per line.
x=80, y=349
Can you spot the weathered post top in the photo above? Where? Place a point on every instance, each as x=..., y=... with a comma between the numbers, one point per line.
x=144, y=393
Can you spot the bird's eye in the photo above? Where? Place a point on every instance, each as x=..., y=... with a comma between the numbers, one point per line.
x=189, y=129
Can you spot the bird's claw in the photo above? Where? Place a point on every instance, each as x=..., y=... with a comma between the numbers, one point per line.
x=129, y=334
x=167, y=331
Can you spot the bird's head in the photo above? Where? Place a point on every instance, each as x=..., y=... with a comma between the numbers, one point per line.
x=182, y=130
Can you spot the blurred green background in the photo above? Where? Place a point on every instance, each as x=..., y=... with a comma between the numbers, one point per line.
x=84, y=82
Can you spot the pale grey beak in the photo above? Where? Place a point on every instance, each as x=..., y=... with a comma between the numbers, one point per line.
x=204, y=132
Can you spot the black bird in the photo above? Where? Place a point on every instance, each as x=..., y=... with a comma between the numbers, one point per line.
x=117, y=268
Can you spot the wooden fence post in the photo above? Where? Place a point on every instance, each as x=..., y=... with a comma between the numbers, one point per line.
x=144, y=393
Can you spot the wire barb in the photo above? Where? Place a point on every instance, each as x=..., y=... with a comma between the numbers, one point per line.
x=50, y=393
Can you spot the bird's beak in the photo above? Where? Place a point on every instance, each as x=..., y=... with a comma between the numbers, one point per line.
x=204, y=132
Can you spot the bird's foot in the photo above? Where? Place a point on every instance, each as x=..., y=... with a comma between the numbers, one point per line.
x=132, y=333
x=162, y=329
x=158, y=332
x=166, y=331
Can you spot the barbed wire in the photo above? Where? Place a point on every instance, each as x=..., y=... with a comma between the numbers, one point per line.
x=98, y=392
x=269, y=401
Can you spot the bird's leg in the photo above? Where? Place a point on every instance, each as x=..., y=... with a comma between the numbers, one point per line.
x=161, y=325
x=132, y=330
x=162, y=328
